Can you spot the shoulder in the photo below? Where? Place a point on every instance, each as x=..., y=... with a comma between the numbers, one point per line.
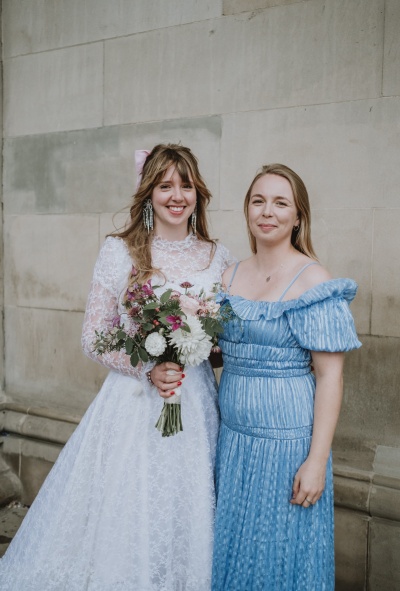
x=311, y=274
x=223, y=256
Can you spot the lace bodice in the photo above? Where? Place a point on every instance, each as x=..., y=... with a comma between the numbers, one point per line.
x=187, y=260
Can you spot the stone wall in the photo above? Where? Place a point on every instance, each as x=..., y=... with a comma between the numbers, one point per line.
x=311, y=83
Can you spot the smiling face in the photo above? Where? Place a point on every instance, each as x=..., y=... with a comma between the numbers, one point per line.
x=173, y=201
x=272, y=212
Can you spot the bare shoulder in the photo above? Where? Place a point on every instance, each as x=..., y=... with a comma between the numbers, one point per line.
x=312, y=276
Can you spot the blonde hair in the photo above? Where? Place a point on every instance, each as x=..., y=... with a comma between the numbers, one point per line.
x=157, y=163
x=301, y=238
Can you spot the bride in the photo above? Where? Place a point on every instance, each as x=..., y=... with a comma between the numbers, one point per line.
x=124, y=509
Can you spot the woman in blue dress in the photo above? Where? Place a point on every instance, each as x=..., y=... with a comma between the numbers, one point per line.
x=274, y=519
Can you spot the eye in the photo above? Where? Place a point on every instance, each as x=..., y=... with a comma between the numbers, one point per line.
x=281, y=203
x=165, y=186
x=188, y=186
x=257, y=201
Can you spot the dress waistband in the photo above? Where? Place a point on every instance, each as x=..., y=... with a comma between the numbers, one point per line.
x=269, y=432
x=232, y=366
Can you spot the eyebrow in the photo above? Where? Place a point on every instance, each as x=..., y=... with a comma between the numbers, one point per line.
x=276, y=196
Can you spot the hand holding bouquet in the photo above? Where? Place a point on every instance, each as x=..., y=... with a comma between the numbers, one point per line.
x=177, y=327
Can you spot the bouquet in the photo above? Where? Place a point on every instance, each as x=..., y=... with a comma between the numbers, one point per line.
x=177, y=327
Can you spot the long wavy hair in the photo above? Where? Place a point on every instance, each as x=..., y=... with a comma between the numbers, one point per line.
x=157, y=163
x=301, y=237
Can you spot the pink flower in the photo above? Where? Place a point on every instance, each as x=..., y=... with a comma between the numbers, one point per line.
x=116, y=321
x=186, y=285
x=135, y=310
x=147, y=290
x=175, y=321
x=189, y=305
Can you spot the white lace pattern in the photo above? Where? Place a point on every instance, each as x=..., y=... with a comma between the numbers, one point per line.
x=124, y=509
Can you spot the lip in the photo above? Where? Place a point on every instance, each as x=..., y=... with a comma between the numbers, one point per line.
x=267, y=226
x=176, y=210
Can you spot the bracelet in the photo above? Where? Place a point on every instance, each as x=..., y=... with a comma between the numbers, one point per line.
x=148, y=376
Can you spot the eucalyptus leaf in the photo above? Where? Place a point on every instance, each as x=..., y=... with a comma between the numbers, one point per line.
x=129, y=345
x=165, y=296
x=143, y=354
x=134, y=358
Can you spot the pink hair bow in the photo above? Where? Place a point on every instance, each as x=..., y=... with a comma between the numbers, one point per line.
x=140, y=159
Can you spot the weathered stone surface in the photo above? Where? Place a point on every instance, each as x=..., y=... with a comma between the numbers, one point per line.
x=55, y=274
x=384, y=552
x=230, y=228
x=93, y=170
x=65, y=91
x=385, y=319
x=352, y=229
x=351, y=546
x=237, y=6
x=203, y=79
x=32, y=462
x=346, y=153
x=44, y=361
x=370, y=413
x=353, y=494
x=391, y=60
x=36, y=25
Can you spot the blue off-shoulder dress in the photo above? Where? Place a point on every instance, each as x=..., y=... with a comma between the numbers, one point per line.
x=266, y=397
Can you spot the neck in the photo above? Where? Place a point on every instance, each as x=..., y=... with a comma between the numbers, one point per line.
x=269, y=257
x=175, y=234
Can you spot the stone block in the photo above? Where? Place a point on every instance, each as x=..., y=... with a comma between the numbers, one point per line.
x=44, y=362
x=65, y=91
x=93, y=170
x=44, y=266
x=370, y=414
x=385, y=317
x=346, y=153
x=352, y=230
x=334, y=54
x=391, y=59
x=36, y=25
x=351, y=546
x=34, y=461
x=230, y=228
x=384, y=552
x=238, y=6
x=353, y=494
x=112, y=222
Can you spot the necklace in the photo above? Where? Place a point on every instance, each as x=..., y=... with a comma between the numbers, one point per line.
x=268, y=277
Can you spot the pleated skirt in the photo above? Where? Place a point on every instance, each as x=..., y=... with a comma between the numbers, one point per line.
x=263, y=542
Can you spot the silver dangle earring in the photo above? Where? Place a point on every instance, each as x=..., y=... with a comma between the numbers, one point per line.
x=194, y=219
x=148, y=215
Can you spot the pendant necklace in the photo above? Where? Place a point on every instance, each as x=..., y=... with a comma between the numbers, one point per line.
x=268, y=278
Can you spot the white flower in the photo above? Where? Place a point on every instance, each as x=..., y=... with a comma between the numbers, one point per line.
x=155, y=344
x=194, y=346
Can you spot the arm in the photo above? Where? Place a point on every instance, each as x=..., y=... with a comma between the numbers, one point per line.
x=309, y=481
x=102, y=307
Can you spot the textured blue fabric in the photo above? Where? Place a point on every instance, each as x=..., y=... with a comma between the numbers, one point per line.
x=266, y=396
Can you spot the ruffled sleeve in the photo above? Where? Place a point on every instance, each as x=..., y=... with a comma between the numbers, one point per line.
x=323, y=321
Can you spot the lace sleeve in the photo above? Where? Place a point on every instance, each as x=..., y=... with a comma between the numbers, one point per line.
x=110, y=273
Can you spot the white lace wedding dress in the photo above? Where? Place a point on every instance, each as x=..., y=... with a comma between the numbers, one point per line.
x=124, y=509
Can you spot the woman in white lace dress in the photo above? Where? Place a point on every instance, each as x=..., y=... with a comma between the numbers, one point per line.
x=123, y=508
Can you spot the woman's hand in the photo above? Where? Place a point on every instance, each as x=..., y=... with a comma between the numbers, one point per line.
x=309, y=483
x=165, y=380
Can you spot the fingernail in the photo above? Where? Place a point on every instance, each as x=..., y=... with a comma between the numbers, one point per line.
x=179, y=383
x=172, y=393
x=183, y=376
